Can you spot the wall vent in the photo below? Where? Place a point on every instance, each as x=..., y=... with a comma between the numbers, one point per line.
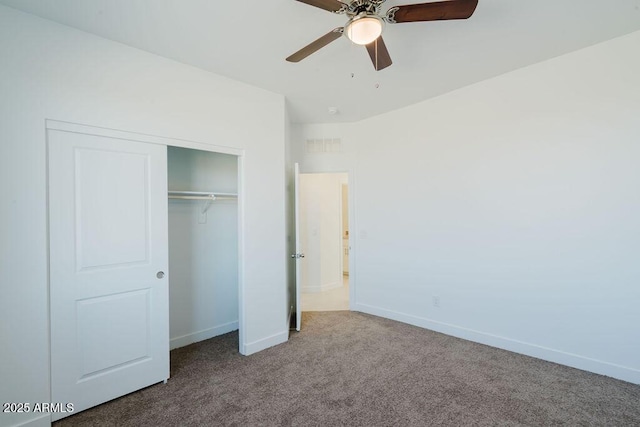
x=324, y=145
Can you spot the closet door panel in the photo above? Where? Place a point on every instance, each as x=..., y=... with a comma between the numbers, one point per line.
x=109, y=259
x=116, y=233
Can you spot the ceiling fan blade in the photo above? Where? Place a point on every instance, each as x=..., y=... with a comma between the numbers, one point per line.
x=312, y=47
x=379, y=54
x=440, y=10
x=330, y=5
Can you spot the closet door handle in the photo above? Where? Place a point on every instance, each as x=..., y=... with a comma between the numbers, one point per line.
x=160, y=274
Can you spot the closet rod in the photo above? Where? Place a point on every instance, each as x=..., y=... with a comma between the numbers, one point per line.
x=208, y=198
x=200, y=195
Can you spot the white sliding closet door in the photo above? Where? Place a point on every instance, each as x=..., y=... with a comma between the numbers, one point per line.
x=109, y=258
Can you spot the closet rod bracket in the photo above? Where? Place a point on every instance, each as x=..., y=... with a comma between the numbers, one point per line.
x=207, y=204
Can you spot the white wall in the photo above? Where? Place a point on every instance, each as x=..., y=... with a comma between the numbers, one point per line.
x=320, y=231
x=203, y=248
x=513, y=201
x=50, y=71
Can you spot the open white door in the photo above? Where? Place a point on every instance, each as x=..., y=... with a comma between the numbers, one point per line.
x=298, y=255
x=108, y=267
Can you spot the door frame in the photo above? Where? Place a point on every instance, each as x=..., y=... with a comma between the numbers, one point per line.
x=173, y=142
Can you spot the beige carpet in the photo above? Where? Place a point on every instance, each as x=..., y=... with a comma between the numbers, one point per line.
x=353, y=369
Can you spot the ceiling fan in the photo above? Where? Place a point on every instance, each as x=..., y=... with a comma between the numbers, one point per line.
x=365, y=23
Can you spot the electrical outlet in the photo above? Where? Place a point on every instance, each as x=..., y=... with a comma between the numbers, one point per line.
x=436, y=301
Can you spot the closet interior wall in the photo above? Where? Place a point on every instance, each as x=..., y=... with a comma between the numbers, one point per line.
x=203, y=247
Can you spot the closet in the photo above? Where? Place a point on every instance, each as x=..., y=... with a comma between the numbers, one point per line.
x=203, y=244
x=143, y=255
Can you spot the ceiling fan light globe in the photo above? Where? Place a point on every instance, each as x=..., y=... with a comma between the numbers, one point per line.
x=364, y=30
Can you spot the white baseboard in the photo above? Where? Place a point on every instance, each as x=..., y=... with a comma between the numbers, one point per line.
x=623, y=373
x=41, y=421
x=265, y=343
x=321, y=288
x=205, y=334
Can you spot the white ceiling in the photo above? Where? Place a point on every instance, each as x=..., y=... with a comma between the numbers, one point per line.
x=249, y=40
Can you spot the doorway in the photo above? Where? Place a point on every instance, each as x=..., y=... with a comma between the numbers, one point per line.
x=324, y=235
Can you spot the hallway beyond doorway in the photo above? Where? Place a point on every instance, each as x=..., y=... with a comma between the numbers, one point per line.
x=332, y=300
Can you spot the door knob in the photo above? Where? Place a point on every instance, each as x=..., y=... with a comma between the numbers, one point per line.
x=160, y=274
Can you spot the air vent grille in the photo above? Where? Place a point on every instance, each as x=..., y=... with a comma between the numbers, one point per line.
x=324, y=145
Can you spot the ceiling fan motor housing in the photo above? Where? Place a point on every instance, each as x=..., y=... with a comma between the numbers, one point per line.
x=363, y=7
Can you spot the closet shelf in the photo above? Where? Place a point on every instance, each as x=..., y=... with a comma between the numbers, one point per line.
x=207, y=197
